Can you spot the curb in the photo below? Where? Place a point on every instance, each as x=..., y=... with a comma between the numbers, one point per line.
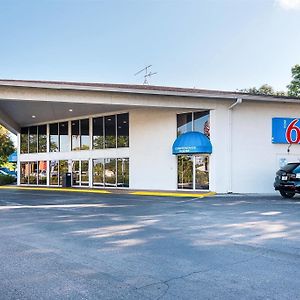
x=96, y=191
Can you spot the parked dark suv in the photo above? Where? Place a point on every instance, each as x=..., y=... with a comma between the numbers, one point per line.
x=287, y=180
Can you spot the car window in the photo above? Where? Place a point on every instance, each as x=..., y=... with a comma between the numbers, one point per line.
x=290, y=167
x=297, y=170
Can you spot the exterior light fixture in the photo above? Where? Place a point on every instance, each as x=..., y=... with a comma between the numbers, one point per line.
x=70, y=109
x=33, y=116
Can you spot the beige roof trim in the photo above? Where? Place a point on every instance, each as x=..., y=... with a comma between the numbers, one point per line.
x=145, y=89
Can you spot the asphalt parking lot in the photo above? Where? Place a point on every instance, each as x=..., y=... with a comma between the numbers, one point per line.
x=56, y=245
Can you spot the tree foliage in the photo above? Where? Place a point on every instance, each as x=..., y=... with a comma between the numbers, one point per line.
x=294, y=86
x=265, y=89
x=6, y=145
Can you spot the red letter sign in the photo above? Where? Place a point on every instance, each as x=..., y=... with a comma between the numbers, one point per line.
x=288, y=134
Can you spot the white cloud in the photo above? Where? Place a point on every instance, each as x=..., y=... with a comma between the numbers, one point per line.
x=288, y=4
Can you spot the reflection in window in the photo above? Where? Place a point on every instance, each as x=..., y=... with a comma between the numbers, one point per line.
x=75, y=135
x=53, y=139
x=185, y=171
x=76, y=172
x=42, y=176
x=98, y=134
x=123, y=130
x=196, y=121
x=184, y=123
x=24, y=179
x=33, y=172
x=201, y=122
x=63, y=169
x=85, y=134
x=33, y=139
x=123, y=172
x=201, y=172
x=42, y=138
x=64, y=145
x=53, y=168
x=110, y=172
x=98, y=172
x=110, y=131
x=24, y=140
x=85, y=172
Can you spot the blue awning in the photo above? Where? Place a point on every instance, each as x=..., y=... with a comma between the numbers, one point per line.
x=192, y=142
x=13, y=158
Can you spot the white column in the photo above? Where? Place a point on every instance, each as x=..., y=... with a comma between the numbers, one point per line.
x=18, y=159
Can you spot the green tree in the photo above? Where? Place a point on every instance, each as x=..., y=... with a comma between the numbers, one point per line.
x=265, y=89
x=294, y=86
x=6, y=145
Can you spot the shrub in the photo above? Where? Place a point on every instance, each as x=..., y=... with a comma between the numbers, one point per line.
x=6, y=179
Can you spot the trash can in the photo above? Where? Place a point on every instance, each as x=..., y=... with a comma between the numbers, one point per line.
x=67, y=180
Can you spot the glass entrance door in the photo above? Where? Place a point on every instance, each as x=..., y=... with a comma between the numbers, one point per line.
x=201, y=172
x=193, y=172
x=185, y=172
x=80, y=170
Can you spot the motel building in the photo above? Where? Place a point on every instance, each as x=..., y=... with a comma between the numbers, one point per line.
x=144, y=137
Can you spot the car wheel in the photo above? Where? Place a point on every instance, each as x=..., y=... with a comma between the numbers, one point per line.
x=285, y=194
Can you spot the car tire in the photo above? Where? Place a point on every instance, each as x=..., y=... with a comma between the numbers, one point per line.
x=285, y=194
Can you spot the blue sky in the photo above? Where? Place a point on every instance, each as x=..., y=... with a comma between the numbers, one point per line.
x=213, y=44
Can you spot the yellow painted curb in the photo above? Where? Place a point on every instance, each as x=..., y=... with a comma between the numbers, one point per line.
x=95, y=191
x=51, y=189
x=170, y=194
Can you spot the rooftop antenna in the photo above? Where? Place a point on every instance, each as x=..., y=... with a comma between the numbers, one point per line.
x=147, y=75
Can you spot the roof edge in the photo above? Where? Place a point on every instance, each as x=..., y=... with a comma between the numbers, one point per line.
x=145, y=89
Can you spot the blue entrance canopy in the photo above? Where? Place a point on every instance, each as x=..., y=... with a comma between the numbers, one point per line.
x=192, y=142
x=13, y=158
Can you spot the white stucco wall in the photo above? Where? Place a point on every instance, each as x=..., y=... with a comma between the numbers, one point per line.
x=152, y=165
x=255, y=158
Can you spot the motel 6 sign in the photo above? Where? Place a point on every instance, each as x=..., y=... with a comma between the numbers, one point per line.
x=286, y=131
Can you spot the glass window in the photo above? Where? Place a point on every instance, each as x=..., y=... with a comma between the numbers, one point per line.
x=24, y=140
x=123, y=130
x=76, y=172
x=33, y=139
x=110, y=172
x=110, y=131
x=75, y=135
x=290, y=167
x=123, y=172
x=42, y=172
x=297, y=170
x=24, y=173
x=64, y=144
x=98, y=134
x=53, y=168
x=184, y=123
x=85, y=134
x=63, y=169
x=42, y=138
x=98, y=172
x=85, y=172
x=201, y=172
x=185, y=172
x=53, y=139
x=33, y=172
x=201, y=122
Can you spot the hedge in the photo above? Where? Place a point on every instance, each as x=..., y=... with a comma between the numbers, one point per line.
x=6, y=179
